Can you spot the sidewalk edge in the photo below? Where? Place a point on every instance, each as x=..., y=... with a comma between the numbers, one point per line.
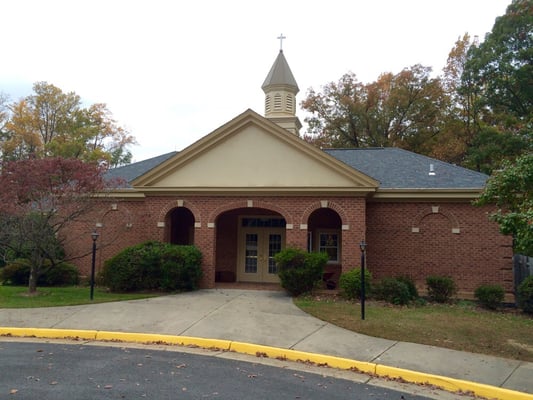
x=378, y=370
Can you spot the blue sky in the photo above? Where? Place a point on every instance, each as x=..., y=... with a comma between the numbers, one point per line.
x=172, y=71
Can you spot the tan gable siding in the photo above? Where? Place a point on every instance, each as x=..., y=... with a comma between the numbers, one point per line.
x=251, y=159
x=250, y=153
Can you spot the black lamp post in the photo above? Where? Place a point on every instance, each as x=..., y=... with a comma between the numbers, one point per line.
x=94, y=235
x=362, y=246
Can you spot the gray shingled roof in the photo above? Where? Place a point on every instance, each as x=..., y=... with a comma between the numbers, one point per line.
x=401, y=169
x=394, y=168
x=280, y=73
x=131, y=171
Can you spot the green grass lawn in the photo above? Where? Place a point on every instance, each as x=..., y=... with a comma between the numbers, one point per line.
x=18, y=296
x=461, y=326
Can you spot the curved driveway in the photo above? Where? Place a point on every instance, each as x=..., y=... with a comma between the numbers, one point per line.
x=269, y=318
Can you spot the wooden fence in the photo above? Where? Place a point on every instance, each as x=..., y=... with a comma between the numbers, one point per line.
x=522, y=268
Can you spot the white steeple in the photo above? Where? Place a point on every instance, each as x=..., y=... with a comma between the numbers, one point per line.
x=280, y=89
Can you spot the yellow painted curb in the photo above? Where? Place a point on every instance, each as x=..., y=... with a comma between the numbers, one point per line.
x=450, y=384
x=295, y=355
x=152, y=338
x=49, y=333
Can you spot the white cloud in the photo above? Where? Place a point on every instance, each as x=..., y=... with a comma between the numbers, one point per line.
x=172, y=71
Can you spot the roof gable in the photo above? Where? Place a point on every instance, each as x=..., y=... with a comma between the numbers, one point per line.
x=248, y=154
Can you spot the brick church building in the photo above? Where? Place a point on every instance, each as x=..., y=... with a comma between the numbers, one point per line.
x=252, y=187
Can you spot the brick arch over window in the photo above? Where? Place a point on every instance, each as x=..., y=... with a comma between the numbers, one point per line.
x=179, y=203
x=113, y=222
x=119, y=211
x=246, y=204
x=454, y=222
x=324, y=204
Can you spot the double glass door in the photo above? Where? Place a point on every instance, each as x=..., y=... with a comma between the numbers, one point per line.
x=258, y=248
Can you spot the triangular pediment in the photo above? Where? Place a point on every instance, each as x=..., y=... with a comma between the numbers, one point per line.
x=250, y=153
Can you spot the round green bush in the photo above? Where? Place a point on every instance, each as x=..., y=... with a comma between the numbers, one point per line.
x=17, y=273
x=350, y=283
x=410, y=283
x=132, y=269
x=524, y=294
x=152, y=266
x=180, y=268
x=299, y=271
x=490, y=296
x=61, y=274
x=440, y=288
x=393, y=290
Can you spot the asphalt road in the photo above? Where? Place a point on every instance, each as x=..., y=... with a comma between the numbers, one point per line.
x=61, y=371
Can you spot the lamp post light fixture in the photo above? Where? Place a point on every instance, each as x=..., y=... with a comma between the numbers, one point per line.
x=362, y=246
x=94, y=236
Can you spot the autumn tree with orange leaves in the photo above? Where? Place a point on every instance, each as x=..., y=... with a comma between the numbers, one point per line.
x=477, y=113
x=401, y=110
x=51, y=123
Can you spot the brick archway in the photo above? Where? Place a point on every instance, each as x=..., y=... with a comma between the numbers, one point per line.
x=233, y=205
x=324, y=204
x=236, y=224
x=169, y=206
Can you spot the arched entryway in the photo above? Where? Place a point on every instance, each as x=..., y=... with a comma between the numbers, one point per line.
x=246, y=241
x=179, y=223
x=325, y=235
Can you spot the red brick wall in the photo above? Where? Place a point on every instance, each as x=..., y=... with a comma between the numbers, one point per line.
x=478, y=254
x=136, y=221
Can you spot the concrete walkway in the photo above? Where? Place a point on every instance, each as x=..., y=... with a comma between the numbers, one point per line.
x=270, y=318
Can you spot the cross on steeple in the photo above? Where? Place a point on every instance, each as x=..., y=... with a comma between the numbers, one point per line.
x=281, y=37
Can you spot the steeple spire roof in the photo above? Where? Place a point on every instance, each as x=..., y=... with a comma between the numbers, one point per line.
x=280, y=74
x=280, y=89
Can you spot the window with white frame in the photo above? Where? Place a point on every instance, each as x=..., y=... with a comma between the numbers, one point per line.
x=329, y=243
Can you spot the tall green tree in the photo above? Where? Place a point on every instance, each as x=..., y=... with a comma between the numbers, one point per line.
x=51, y=123
x=503, y=63
x=511, y=190
x=489, y=147
x=500, y=71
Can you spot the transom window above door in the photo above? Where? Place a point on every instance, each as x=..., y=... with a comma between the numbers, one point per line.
x=263, y=222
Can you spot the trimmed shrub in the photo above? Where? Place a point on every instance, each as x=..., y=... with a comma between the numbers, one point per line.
x=350, y=283
x=393, y=290
x=300, y=271
x=181, y=268
x=17, y=273
x=440, y=288
x=490, y=296
x=524, y=294
x=62, y=274
x=127, y=270
x=410, y=283
x=153, y=265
